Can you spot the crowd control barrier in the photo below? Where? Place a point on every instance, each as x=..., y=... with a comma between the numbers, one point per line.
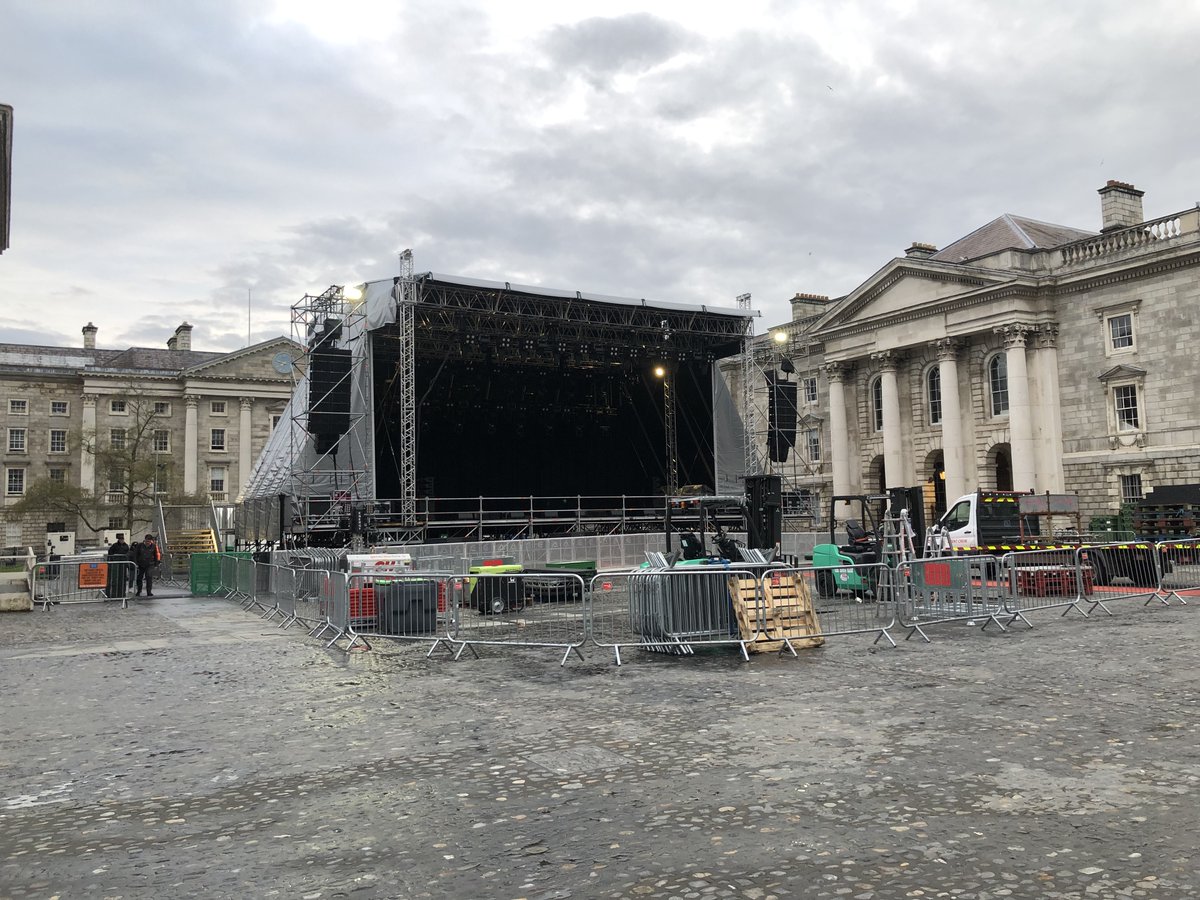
x=83, y=581
x=666, y=610
x=1179, y=569
x=1045, y=579
x=401, y=605
x=1117, y=571
x=945, y=589
x=513, y=608
x=849, y=600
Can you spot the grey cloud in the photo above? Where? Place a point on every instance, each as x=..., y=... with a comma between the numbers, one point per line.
x=602, y=47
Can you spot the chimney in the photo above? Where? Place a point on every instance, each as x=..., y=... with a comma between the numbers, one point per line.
x=89, y=336
x=806, y=305
x=920, y=251
x=182, y=339
x=1120, y=206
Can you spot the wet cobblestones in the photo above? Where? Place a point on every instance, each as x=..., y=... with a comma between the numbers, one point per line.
x=187, y=747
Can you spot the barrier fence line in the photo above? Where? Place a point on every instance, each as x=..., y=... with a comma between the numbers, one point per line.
x=83, y=581
x=755, y=607
x=1179, y=568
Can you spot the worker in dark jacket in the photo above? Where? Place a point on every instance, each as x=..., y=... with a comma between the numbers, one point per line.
x=146, y=556
x=118, y=570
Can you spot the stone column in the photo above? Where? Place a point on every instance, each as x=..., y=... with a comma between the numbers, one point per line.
x=839, y=427
x=190, y=447
x=1020, y=411
x=953, y=450
x=87, y=459
x=893, y=439
x=245, y=461
x=1048, y=424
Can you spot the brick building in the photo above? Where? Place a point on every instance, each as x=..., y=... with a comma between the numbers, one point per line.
x=207, y=416
x=1024, y=355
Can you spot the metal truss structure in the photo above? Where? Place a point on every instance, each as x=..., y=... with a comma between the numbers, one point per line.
x=748, y=409
x=328, y=480
x=760, y=361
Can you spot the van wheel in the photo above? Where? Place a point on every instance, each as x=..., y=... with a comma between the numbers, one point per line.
x=1100, y=575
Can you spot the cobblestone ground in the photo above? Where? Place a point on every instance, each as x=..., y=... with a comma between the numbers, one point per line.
x=185, y=748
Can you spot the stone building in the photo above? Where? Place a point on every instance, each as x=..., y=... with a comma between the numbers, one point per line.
x=208, y=413
x=1024, y=355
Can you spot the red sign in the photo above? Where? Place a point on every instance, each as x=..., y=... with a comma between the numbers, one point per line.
x=93, y=575
x=937, y=574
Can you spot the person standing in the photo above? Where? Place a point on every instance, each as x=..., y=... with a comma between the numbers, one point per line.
x=118, y=554
x=146, y=556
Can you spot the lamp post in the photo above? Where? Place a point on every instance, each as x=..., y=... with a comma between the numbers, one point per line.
x=664, y=373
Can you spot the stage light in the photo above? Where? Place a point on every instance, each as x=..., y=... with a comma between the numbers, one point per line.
x=780, y=337
x=660, y=372
x=352, y=292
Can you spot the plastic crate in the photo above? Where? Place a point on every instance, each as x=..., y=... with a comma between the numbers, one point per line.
x=1051, y=581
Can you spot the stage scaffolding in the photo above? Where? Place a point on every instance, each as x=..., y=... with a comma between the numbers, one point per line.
x=301, y=486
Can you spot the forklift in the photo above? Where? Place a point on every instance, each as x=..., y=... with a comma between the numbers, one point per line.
x=872, y=536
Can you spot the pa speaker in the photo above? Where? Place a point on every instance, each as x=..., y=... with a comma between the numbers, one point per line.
x=329, y=392
x=781, y=418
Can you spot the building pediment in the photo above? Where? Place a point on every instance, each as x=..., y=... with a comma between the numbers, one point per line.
x=1122, y=372
x=907, y=287
x=259, y=362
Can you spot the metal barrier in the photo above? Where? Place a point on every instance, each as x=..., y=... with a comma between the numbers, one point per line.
x=333, y=608
x=1179, y=569
x=83, y=581
x=666, y=610
x=944, y=589
x=400, y=605
x=1045, y=579
x=1117, y=571
x=244, y=582
x=518, y=609
x=859, y=599
x=227, y=570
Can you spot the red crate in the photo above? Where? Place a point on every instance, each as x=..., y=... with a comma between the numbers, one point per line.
x=1051, y=581
x=362, y=604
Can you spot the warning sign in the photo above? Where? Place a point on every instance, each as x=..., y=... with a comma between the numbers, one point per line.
x=93, y=575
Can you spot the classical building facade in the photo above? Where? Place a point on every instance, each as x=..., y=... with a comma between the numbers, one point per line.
x=206, y=416
x=1024, y=355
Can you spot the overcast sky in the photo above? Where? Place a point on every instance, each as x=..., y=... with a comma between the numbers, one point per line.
x=172, y=159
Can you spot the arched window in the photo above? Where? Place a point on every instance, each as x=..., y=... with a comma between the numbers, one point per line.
x=933, y=394
x=997, y=369
x=877, y=404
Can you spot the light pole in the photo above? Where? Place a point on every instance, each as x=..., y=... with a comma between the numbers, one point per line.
x=664, y=373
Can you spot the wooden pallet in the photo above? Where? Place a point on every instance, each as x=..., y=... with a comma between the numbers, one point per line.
x=787, y=616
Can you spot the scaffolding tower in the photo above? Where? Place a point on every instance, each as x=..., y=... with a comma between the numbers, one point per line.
x=332, y=472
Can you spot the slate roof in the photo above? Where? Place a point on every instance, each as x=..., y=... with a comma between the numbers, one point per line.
x=154, y=359
x=1010, y=232
x=145, y=359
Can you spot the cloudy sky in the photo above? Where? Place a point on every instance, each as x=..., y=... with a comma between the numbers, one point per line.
x=172, y=159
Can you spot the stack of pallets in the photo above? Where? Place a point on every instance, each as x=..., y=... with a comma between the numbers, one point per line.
x=1169, y=511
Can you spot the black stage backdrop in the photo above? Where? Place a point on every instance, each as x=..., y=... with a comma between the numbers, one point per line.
x=488, y=430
